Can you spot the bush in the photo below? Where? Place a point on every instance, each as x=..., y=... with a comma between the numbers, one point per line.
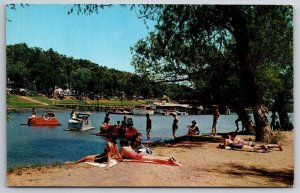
x=277, y=137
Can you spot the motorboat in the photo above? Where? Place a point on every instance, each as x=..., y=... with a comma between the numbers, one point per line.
x=120, y=111
x=48, y=120
x=80, y=122
x=182, y=113
x=142, y=110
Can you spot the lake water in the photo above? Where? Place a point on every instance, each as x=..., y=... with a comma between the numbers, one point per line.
x=28, y=145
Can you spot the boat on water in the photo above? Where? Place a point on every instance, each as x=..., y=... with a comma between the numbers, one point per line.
x=120, y=111
x=167, y=108
x=80, y=122
x=48, y=120
x=181, y=113
x=142, y=110
x=118, y=130
x=111, y=130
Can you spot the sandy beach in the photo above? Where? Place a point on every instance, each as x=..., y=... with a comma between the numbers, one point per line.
x=203, y=165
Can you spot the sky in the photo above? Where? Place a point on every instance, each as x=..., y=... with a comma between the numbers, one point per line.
x=104, y=38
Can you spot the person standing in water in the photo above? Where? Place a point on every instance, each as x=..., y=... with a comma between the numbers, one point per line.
x=175, y=124
x=216, y=115
x=148, y=126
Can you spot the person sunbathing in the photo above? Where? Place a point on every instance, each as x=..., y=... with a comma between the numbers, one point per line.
x=98, y=158
x=128, y=153
x=229, y=143
x=238, y=140
x=110, y=151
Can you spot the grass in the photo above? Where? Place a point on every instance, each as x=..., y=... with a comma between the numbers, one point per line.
x=14, y=101
x=42, y=99
x=20, y=169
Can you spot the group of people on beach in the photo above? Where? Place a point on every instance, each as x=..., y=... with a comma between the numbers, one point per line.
x=129, y=153
x=131, y=146
x=194, y=127
x=133, y=150
x=126, y=127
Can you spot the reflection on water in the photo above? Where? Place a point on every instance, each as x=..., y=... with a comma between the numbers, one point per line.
x=43, y=145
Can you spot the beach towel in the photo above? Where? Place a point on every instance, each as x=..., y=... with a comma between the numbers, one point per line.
x=149, y=162
x=256, y=150
x=113, y=162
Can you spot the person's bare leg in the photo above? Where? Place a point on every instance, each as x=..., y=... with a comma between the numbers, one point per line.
x=85, y=159
x=174, y=133
x=160, y=160
x=274, y=146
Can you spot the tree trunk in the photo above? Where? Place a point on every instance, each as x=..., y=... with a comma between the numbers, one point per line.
x=247, y=122
x=263, y=131
x=280, y=106
x=285, y=124
x=239, y=23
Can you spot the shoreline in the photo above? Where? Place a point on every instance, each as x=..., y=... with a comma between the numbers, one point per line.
x=203, y=165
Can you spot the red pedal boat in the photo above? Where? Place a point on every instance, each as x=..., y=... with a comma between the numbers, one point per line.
x=48, y=120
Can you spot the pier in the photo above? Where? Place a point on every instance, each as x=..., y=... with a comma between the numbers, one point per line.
x=93, y=107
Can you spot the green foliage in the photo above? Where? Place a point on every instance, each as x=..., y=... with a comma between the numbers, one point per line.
x=20, y=169
x=198, y=43
x=14, y=101
x=40, y=71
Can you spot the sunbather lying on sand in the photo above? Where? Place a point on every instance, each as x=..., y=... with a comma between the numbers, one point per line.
x=238, y=140
x=228, y=143
x=99, y=158
x=110, y=151
x=129, y=153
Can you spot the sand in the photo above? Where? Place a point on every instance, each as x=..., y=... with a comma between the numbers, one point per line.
x=203, y=165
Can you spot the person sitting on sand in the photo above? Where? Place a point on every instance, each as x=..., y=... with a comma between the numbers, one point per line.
x=99, y=158
x=110, y=151
x=128, y=153
x=193, y=129
x=229, y=143
x=136, y=140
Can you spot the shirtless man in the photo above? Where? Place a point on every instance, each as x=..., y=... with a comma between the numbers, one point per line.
x=216, y=115
x=148, y=126
x=175, y=124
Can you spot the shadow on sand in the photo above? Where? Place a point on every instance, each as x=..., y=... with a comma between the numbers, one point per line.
x=273, y=176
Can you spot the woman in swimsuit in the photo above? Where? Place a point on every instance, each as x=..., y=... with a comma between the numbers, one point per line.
x=230, y=143
x=129, y=153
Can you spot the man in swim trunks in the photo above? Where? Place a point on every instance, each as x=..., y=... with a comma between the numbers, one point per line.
x=175, y=124
x=216, y=115
x=148, y=126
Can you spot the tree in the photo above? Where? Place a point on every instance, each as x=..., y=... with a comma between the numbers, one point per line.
x=192, y=40
x=81, y=78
